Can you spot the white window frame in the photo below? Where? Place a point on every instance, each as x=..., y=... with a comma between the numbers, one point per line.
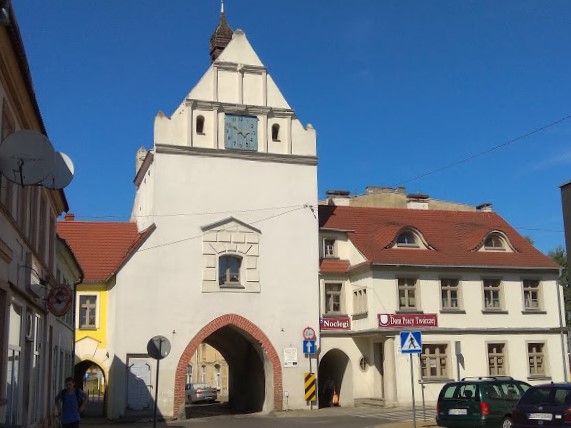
x=406, y=287
x=407, y=234
x=497, y=361
x=529, y=287
x=329, y=304
x=495, y=238
x=447, y=286
x=360, y=302
x=491, y=286
x=78, y=309
x=432, y=357
x=532, y=359
x=329, y=251
x=228, y=282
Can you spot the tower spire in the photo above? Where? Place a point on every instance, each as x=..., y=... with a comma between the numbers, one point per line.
x=221, y=36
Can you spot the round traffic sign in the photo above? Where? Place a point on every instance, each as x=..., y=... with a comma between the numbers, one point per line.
x=308, y=333
x=158, y=347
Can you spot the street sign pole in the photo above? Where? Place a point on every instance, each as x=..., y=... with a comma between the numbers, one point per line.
x=310, y=371
x=412, y=387
x=411, y=343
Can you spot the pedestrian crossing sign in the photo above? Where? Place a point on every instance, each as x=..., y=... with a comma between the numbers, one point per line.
x=410, y=342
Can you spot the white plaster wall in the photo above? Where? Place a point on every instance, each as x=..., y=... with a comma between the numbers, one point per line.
x=482, y=328
x=142, y=211
x=475, y=356
x=384, y=299
x=160, y=288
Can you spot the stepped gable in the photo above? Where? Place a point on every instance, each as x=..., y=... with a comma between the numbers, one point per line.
x=101, y=247
x=455, y=237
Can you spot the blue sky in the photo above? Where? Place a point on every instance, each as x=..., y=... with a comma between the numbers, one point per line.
x=395, y=89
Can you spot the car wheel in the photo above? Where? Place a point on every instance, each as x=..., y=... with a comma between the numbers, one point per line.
x=507, y=422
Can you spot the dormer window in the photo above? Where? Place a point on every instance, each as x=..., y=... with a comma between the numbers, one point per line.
x=229, y=270
x=275, y=132
x=494, y=242
x=200, y=124
x=407, y=239
x=328, y=248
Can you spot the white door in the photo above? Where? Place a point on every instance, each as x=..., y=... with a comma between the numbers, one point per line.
x=139, y=385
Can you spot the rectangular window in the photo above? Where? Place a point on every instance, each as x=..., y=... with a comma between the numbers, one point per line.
x=13, y=374
x=434, y=361
x=449, y=293
x=407, y=293
x=360, y=301
x=496, y=359
x=333, y=298
x=531, y=294
x=492, y=294
x=88, y=311
x=536, y=358
x=328, y=248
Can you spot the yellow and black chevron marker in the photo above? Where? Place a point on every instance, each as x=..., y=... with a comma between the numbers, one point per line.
x=310, y=387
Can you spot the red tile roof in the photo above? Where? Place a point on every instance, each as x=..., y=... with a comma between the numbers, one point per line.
x=101, y=247
x=333, y=266
x=454, y=236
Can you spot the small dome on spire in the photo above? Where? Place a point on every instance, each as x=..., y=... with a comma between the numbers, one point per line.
x=221, y=36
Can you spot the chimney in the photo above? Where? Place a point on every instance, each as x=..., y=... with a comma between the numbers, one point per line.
x=417, y=201
x=338, y=197
x=69, y=217
x=486, y=207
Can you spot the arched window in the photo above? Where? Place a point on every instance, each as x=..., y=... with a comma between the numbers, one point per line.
x=494, y=242
x=200, y=124
x=229, y=270
x=406, y=239
x=275, y=132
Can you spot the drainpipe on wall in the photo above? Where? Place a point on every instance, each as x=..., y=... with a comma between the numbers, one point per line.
x=78, y=382
x=561, y=325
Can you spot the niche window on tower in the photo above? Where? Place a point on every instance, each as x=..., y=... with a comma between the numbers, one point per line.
x=200, y=125
x=275, y=132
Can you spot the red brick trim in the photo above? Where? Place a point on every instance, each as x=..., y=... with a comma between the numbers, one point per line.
x=216, y=324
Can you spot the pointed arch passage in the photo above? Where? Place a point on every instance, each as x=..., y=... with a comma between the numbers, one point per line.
x=235, y=321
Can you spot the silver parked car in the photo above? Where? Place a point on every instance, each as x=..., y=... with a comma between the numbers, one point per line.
x=196, y=392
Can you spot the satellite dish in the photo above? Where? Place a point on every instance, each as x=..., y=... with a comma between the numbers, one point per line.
x=26, y=157
x=62, y=174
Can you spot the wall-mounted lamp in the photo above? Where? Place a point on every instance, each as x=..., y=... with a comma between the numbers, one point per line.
x=32, y=287
x=43, y=282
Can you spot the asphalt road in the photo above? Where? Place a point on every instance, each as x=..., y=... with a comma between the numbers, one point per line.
x=209, y=415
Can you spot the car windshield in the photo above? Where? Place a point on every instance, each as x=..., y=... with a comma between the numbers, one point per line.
x=547, y=396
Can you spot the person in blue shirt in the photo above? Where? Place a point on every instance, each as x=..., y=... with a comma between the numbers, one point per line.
x=70, y=402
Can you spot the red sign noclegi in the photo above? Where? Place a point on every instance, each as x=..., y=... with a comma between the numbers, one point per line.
x=407, y=320
x=335, y=323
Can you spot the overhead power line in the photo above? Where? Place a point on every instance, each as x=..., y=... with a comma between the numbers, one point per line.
x=485, y=152
x=297, y=208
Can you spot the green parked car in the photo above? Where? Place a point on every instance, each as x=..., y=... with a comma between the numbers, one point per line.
x=479, y=402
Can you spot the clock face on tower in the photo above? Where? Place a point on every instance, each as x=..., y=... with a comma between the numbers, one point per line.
x=240, y=132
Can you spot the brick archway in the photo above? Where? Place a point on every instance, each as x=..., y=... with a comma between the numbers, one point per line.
x=214, y=325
